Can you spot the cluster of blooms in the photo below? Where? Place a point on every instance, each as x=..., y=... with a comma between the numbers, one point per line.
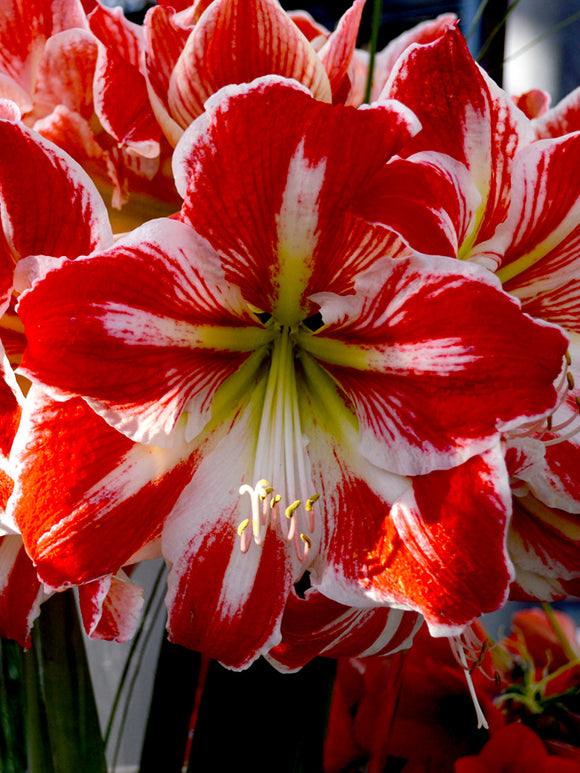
x=527, y=684
x=347, y=359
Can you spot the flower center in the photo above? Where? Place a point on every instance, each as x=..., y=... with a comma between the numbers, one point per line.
x=280, y=464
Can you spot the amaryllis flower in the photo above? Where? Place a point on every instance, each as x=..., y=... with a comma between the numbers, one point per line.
x=266, y=390
x=69, y=75
x=525, y=229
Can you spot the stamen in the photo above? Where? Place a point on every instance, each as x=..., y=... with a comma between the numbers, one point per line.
x=291, y=509
x=307, y=545
x=310, y=510
x=458, y=650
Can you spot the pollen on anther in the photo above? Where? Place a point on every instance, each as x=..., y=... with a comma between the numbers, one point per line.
x=274, y=501
x=310, y=502
x=243, y=526
x=570, y=379
x=291, y=509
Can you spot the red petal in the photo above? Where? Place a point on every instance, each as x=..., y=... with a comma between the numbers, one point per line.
x=20, y=591
x=69, y=218
x=155, y=331
x=464, y=114
x=316, y=625
x=111, y=608
x=426, y=361
x=222, y=601
x=336, y=55
x=235, y=44
x=86, y=498
x=439, y=549
x=304, y=162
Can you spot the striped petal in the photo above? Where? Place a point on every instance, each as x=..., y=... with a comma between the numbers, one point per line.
x=111, y=607
x=337, y=53
x=317, y=626
x=232, y=43
x=465, y=115
x=544, y=545
x=423, y=355
x=438, y=547
x=70, y=217
x=285, y=219
x=104, y=499
x=535, y=252
x=156, y=331
x=434, y=544
x=224, y=598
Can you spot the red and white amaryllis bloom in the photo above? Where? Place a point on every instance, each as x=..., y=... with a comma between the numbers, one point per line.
x=526, y=230
x=266, y=390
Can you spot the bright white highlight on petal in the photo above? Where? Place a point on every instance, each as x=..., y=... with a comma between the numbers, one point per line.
x=297, y=225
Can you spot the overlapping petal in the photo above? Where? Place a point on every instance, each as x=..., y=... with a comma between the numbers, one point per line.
x=422, y=391
x=157, y=300
x=464, y=114
x=78, y=482
x=316, y=162
x=258, y=43
x=315, y=625
x=21, y=592
x=111, y=607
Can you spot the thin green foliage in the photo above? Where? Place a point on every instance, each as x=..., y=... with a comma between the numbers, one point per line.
x=137, y=671
x=487, y=43
x=375, y=28
x=133, y=649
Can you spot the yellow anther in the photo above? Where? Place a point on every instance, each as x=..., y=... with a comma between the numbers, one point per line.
x=274, y=501
x=578, y=403
x=306, y=539
x=570, y=379
x=291, y=509
x=311, y=501
x=568, y=358
x=243, y=526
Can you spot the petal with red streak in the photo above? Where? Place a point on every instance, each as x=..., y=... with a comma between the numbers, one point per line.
x=316, y=625
x=111, y=607
x=122, y=104
x=156, y=331
x=282, y=203
x=422, y=353
x=20, y=591
x=438, y=548
x=222, y=601
x=50, y=205
x=535, y=251
x=86, y=498
x=544, y=545
x=336, y=54
x=464, y=114
x=232, y=43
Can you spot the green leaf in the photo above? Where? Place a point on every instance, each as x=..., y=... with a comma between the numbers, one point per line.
x=62, y=724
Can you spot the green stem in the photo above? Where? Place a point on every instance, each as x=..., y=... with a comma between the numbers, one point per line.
x=375, y=27
x=62, y=724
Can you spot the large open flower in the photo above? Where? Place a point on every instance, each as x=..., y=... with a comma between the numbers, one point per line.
x=265, y=388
